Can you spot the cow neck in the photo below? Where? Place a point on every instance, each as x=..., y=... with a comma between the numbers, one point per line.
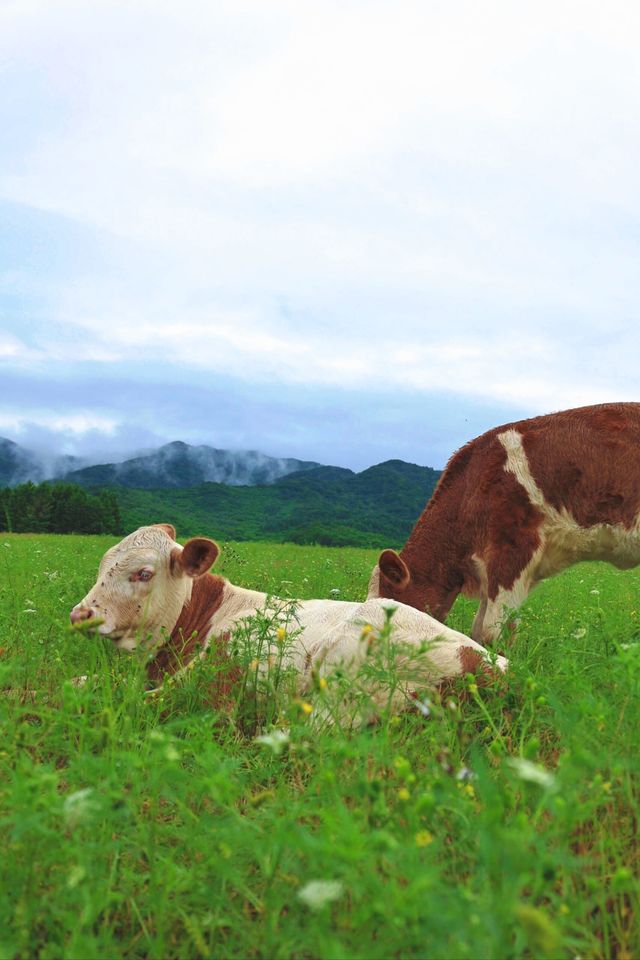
x=432, y=554
x=427, y=541
x=191, y=630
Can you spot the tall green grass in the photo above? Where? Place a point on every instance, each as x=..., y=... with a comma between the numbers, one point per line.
x=497, y=821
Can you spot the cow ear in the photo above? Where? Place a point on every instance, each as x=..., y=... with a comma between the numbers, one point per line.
x=196, y=557
x=394, y=568
x=168, y=529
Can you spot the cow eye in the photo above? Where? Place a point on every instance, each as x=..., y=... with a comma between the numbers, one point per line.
x=143, y=575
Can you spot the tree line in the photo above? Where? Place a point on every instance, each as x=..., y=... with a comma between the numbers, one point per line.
x=58, y=508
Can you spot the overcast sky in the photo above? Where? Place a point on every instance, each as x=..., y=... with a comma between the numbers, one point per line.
x=342, y=231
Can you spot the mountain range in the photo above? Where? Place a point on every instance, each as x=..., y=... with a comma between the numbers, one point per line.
x=175, y=464
x=246, y=496
x=19, y=465
x=327, y=505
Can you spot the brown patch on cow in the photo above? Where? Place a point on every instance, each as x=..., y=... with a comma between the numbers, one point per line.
x=470, y=660
x=473, y=662
x=587, y=462
x=187, y=641
x=191, y=629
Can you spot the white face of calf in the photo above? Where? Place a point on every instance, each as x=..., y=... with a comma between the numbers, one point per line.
x=143, y=583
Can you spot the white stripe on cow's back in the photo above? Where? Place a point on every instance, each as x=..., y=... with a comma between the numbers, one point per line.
x=564, y=541
x=518, y=464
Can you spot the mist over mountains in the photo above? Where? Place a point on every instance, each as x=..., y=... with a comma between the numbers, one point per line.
x=19, y=465
x=241, y=496
x=173, y=465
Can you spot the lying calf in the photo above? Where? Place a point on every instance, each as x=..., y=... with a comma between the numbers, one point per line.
x=153, y=593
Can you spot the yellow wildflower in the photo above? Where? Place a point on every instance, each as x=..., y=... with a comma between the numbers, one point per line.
x=402, y=765
x=423, y=838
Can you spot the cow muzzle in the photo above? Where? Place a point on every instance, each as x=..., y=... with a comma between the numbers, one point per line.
x=90, y=618
x=80, y=614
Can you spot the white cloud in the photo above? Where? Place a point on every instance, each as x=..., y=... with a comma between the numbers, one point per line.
x=534, y=370
x=425, y=197
x=309, y=94
x=11, y=348
x=74, y=423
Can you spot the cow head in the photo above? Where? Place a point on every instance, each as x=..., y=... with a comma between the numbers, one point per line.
x=143, y=583
x=393, y=578
x=390, y=577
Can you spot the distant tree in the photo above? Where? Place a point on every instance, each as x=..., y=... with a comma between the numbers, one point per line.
x=58, y=508
x=6, y=514
x=112, y=519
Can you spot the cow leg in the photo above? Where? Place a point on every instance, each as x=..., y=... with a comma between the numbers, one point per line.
x=498, y=615
x=477, y=630
x=495, y=614
x=498, y=601
x=490, y=618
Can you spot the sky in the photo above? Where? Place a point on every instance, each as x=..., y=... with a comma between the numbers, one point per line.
x=343, y=231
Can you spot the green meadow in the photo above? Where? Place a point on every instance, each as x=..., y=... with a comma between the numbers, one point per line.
x=496, y=821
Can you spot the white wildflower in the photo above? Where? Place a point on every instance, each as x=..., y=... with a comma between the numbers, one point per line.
x=465, y=773
x=276, y=740
x=532, y=772
x=318, y=893
x=77, y=806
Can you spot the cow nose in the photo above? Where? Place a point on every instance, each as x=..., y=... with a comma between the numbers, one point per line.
x=78, y=614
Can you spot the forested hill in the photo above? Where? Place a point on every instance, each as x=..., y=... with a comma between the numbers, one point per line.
x=179, y=464
x=326, y=505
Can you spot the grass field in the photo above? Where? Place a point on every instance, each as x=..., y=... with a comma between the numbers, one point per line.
x=504, y=824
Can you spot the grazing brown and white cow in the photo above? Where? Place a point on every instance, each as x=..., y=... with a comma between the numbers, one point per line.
x=517, y=505
x=153, y=593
